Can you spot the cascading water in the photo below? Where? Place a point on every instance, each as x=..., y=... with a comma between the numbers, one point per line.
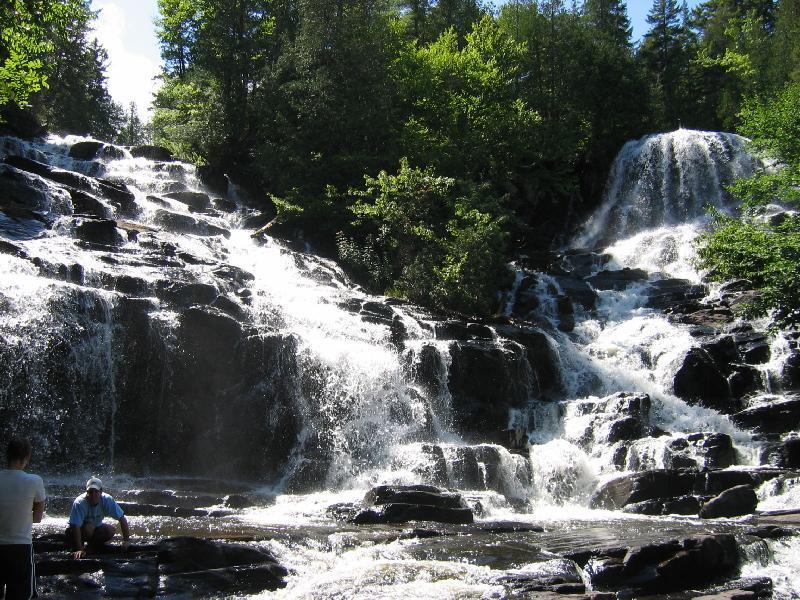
x=148, y=318
x=667, y=179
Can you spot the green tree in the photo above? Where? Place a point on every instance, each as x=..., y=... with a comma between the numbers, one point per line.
x=132, y=132
x=27, y=30
x=329, y=102
x=609, y=18
x=750, y=246
x=441, y=242
x=465, y=116
x=77, y=98
x=665, y=54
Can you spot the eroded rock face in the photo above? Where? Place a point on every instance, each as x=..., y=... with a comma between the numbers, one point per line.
x=485, y=380
x=699, y=381
x=664, y=491
x=401, y=504
x=662, y=567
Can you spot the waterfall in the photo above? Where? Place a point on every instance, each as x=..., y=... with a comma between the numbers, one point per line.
x=667, y=179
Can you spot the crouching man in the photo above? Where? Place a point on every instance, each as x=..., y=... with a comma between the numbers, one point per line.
x=86, y=520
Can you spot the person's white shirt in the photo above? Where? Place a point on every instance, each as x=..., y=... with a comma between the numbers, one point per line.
x=18, y=491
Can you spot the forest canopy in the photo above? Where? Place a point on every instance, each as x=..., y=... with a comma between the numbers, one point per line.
x=422, y=142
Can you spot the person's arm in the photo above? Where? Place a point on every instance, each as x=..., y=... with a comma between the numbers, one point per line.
x=38, y=511
x=77, y=542
x=126, y=532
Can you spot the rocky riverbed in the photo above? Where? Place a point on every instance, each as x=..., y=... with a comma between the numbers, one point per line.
x=197, y=543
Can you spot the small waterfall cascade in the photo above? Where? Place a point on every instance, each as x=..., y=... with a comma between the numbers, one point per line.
x=666, y=180
x=142, y=310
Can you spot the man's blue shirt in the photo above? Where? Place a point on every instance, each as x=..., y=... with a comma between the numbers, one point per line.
x=82, y=511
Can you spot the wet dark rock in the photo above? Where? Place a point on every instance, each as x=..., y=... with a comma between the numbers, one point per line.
x=7, y=247
x=541, y=354
x=186, y=294
x=136, y=509
x=237, y=501
x=665, y=566
x=87, y=150
x=789, y=454
x=733, y=502
x=224, y=205
x=250, y=579
x=196, y=200
x=683, y=505
x=128, y=285
x=401, y=504
x=230, y=307
x=403, y=513
x=561, y=576
x=157, y=153
x=716, y=449
x=770, y=532
x=413, y=494
x=61, y=565
x=662, y=485
x=628, y=428
x=744, y=380
x=617, y=280
x=645, y=507
x=451, y=330
x=428, y=368
x=485, y=380
x=790, y=372
x=578, y=291
x=669, y=293
x=435, y=472
x=699, y=381
x=100, y=231
x=566, y=314
x=723, y=351
x=187, y=224
x=87, y=204
x=69, y=178
x=780, y=416
x=186, y=554
x=753, y=347
x=467, y=473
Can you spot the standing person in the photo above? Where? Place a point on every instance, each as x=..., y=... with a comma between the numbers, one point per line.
x=86, y=519
x=21, y=504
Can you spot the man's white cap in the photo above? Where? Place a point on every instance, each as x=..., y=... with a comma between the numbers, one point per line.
x=94, y=484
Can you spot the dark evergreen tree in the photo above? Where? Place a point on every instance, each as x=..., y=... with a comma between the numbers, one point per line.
x=76, y=99
x=133, y=131
x=610, y=18
x=665, y=54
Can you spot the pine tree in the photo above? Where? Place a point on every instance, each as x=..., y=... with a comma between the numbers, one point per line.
x=610, y=17
x=665, y=53
x=133, y=132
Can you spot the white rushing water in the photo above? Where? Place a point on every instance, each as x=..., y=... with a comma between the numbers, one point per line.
x=356, y=398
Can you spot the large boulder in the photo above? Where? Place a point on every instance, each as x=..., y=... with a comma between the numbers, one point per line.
x=187, y=224
x=617, y=280
x=699, y=381
x=781, y=416
x=194, y=200
x=87, y=150
x=400, y=504
x=733, y=502
x=100, y=231
x=158, y=153
x=486, y=379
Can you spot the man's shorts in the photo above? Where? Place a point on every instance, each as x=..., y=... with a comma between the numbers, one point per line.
x=17, y=574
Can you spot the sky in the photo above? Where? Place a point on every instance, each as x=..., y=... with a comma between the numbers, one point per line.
x=127, y=31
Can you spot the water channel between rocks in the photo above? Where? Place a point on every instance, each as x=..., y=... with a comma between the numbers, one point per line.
x=234, y=386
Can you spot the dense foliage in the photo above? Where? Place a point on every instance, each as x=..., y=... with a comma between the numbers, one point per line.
x=514, y=113
x=755, y=246
x=50, y=63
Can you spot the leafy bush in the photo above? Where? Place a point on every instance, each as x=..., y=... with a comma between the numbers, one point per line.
x=428, y=238
x=765, y=251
